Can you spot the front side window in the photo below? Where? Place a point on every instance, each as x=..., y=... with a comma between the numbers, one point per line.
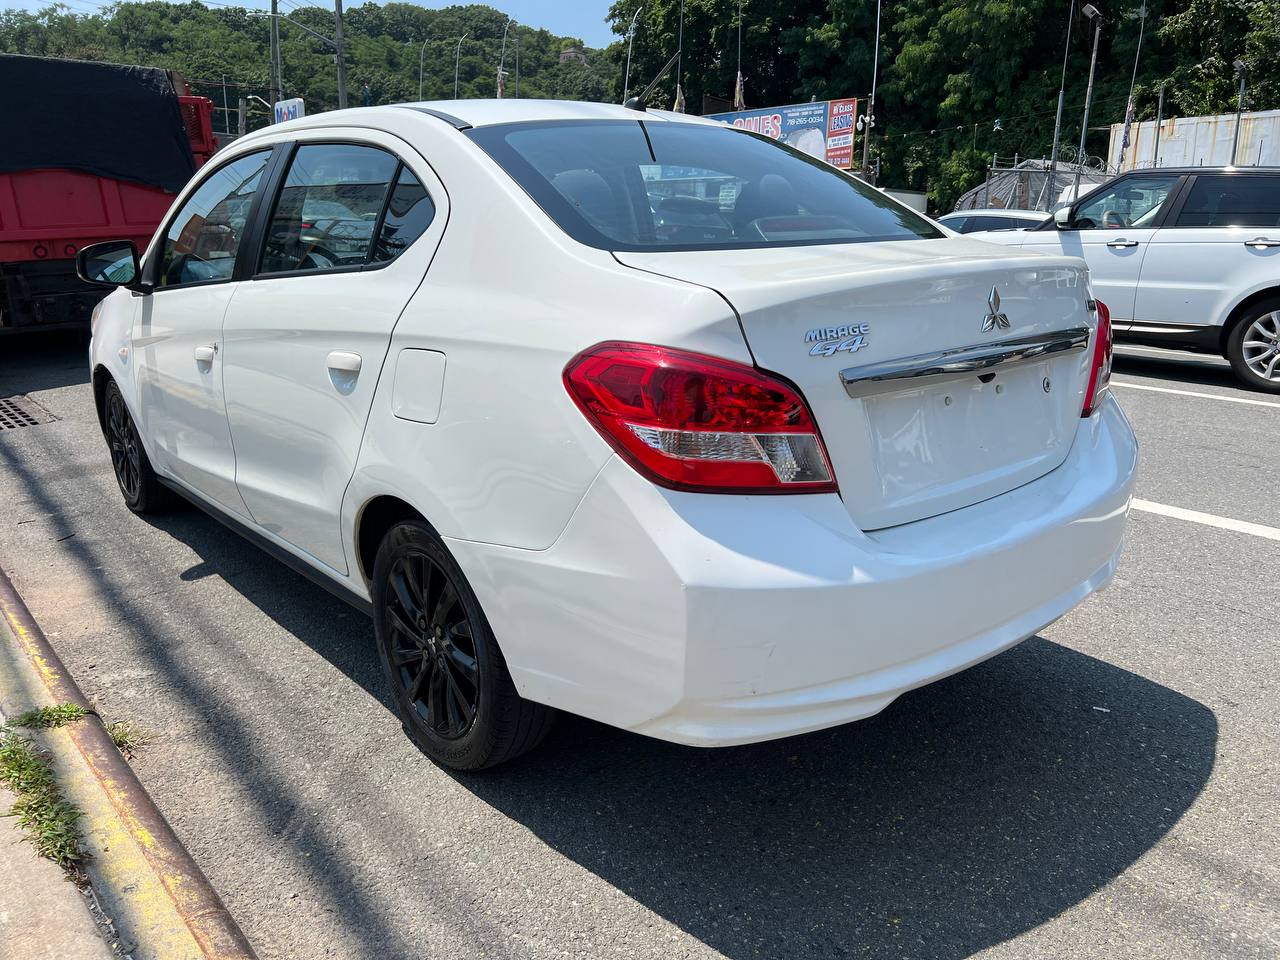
x=1130, y=203
x=203, y=239
x=641, y=186
x=1235, y=201
x=328, y=208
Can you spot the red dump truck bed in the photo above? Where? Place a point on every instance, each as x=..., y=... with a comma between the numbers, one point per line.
x=103, y=160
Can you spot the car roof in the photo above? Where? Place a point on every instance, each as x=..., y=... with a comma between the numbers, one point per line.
x=465, y=114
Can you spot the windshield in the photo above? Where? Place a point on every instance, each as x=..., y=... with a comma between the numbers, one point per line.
x=634, y=186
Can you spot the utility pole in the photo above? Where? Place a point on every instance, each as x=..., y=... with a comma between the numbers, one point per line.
x=1057, y=123
x=1092, y=13
x=1155, y=160
x=869, y=113
x=1241, y=68
x=242, y=114
x=275, y=57
x=340, y=57
x=502, y=61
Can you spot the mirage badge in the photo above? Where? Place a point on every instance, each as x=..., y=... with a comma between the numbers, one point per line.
x=828, y=341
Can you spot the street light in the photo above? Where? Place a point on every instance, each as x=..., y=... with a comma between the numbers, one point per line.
x=422, y=53
x=869, y=114
x=631, y=38
x=1242, y=67
x=457, y=59
x=1057, y=123
x=1090, y=11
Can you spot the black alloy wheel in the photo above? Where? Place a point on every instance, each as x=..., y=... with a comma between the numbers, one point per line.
x=433, y=648
x=125, y=447
x=142, y=490
x=453, y=692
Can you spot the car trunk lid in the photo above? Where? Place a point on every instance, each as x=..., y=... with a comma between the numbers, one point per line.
x=940, y=372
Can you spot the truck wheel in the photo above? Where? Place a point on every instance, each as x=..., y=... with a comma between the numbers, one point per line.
x=452, y=690
x=1253, y=347
x=142, y=490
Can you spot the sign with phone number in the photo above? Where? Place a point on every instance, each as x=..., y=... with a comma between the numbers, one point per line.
x=822, y=129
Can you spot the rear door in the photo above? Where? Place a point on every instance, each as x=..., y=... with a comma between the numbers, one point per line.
x=1111, y=228
x=346, y=240
x=177, y=342
x=1224, y=240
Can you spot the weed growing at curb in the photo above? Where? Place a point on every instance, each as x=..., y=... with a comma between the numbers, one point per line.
x=51, y=822
x=44, y=717
x=127, y=736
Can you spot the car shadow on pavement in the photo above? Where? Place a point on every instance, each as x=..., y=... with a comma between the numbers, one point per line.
x=969, y=812
x=1208, y=372
x=30, y=362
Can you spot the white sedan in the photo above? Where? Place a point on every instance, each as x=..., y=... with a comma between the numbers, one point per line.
x=616, y=412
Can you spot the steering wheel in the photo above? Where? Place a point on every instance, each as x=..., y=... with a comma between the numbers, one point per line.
x=1114, y=220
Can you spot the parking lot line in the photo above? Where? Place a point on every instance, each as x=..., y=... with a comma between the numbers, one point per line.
x=1193, y=393
x=1208, y=519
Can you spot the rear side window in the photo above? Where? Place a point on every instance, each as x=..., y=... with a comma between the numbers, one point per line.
x=328, y=208
x=995, y=223
x=409, y=213
x=631, y=185
x=202, y=240
x=958, y=224
x=1235, y=201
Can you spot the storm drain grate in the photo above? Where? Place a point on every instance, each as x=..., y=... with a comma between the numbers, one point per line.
x=21, y=411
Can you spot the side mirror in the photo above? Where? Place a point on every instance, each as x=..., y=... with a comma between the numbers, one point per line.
x=113, y=263
x=1062, y=217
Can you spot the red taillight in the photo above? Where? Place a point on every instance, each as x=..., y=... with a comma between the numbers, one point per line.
x=694, y=422
x=1100, y=371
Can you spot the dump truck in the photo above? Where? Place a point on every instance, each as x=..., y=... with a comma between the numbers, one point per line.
x=93, y=151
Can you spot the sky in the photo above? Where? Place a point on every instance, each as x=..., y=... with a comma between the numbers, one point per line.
x=571, y=18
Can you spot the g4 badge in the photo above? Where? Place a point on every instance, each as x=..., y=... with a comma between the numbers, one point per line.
x=828, y=341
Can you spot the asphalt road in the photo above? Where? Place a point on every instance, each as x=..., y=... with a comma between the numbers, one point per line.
x=1108, y=789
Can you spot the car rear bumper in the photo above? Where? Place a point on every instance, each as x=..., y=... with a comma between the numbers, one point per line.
x=715, y=620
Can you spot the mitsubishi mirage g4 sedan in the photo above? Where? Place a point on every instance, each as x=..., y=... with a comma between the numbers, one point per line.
x=713, y=478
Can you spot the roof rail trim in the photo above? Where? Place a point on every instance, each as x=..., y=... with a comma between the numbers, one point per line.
x=448, y=118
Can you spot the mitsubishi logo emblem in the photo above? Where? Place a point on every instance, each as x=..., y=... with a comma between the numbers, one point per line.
x=995, y=320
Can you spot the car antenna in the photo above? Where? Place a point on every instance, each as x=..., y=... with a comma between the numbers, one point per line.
x=638, y=103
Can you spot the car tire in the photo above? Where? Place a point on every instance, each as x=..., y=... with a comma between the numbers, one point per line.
x=141, y=488
x=451, y=686
x=1253, y=346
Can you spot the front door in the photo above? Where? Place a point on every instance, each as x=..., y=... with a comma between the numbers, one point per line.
x=1111, y=229
x=1224, y=240
x=177, y=336
x=347, y=242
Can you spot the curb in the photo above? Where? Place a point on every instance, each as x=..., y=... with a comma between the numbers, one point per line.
x=160, y=900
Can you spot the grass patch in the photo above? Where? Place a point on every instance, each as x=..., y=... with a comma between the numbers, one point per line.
x=45, y=717
x=127, y=736
x=53, y=824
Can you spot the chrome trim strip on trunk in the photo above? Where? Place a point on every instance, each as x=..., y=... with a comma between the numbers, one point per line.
x=926, y=369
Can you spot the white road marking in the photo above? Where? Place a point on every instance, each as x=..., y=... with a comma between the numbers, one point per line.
x=1208, y=519
x=1193, y=393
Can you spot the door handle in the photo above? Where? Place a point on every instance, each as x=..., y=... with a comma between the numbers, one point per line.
x=1122, y=243
x=1259, y=243
x=206, y=352
x=342, y=362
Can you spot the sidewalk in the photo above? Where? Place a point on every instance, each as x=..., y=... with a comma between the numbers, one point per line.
x=43, y=916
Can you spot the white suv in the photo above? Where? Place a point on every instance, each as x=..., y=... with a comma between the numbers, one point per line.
x=1186, y=258
x=620, y=412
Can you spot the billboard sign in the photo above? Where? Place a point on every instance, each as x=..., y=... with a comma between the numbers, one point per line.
x=822, y=129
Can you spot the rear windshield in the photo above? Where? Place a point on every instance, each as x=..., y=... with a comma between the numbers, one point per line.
x=630, y=185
